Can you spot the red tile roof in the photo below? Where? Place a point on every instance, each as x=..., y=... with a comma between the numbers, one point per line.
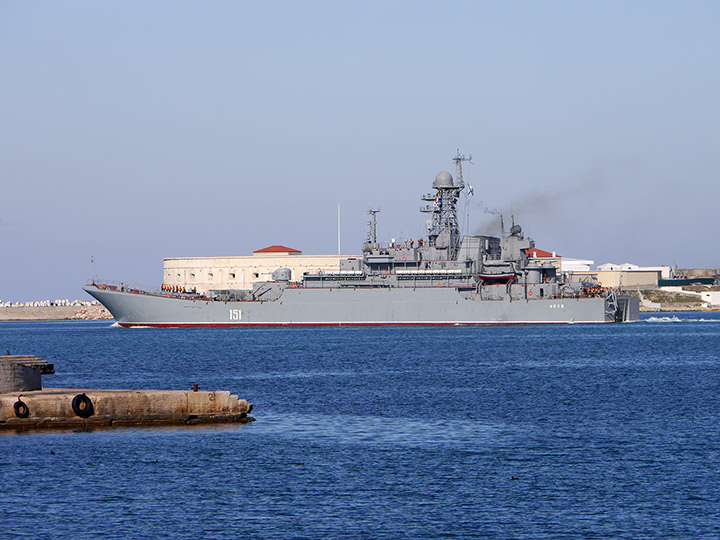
x=277, y=249
x=535, y=252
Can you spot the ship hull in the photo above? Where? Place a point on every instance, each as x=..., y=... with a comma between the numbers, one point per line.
x=348, y=306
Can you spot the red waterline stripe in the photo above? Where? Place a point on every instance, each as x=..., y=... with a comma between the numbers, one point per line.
x=235, y=325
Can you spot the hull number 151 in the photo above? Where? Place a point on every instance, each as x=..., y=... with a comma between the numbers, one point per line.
x=235, y=314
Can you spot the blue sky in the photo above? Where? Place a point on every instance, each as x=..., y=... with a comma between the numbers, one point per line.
x=134, y=131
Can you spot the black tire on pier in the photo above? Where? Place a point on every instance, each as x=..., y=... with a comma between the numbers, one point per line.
x=82, y=406
x=21, y=409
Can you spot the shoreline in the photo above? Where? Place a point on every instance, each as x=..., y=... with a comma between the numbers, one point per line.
x=99, y=313
x=679, y=309
x=55, y=313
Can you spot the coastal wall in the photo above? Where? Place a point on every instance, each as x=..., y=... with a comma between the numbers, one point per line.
x=711, y=297
x=625, y=279
x=696, y=272
x=54, y=313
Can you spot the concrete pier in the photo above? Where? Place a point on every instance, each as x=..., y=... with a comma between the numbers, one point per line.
x=22, y=372
x=73, y=408
x=25, y=404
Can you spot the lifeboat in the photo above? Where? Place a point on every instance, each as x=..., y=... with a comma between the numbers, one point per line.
x=494, y=279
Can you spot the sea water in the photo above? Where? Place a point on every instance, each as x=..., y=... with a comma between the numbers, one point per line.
x=571, y=431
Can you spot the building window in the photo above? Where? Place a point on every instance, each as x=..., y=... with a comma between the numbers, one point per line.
x=232, y=275
x=256, y=275
x=192, y=276
x=210, y=276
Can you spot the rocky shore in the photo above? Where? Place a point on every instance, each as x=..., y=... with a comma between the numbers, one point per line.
x=54, y=313
x=659, y=300
x=677, y=307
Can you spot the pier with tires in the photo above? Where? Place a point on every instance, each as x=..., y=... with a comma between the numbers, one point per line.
x=24, y=404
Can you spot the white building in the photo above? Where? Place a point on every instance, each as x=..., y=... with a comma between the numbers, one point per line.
x=241, y=272
x=663, y=271
x=575, y=265
x=612, y=267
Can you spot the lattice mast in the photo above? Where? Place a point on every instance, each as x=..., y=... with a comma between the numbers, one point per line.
x=458, y=159
x=443, y=227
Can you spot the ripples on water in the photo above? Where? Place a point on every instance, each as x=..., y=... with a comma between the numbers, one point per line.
x=579, y=431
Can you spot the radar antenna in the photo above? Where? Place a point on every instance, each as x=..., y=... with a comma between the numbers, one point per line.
x=458, y=159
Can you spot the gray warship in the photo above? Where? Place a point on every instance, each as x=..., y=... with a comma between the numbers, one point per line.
x=443, y=278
